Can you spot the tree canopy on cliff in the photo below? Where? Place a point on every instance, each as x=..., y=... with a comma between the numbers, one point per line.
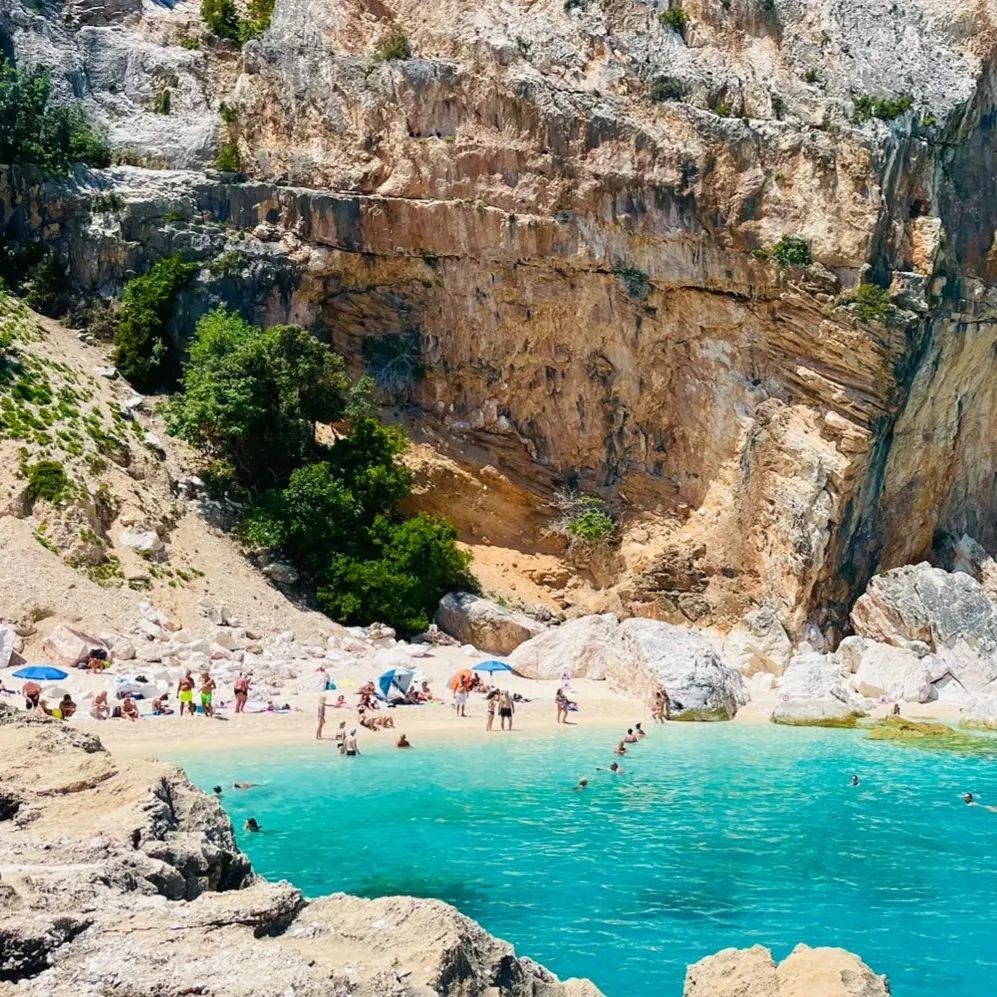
x=250, y=402
x=36, y=130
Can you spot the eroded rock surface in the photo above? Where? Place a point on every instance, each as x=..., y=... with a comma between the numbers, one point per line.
x=485, y=623
x=805, y=972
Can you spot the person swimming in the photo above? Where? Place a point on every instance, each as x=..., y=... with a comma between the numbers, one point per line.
x=582, y=783
x=243, y=785
x=217, y=790
x=252, y=824
x=403, y=742
x=855, y=780
x=620, y=749
x=631, y=737
x=639, y=731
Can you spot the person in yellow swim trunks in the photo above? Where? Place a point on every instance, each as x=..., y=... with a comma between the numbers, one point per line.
x=185, y=693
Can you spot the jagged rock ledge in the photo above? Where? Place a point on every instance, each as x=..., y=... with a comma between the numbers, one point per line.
x=128, y=879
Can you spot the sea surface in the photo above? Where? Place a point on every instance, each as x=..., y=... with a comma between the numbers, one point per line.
x=714, y=836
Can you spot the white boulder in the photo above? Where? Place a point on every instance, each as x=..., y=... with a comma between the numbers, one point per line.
x=584, y=648
x=815, y=676
x=882, y=670
x=824, y=712
x=142, y=541
x=700, y=685
x=67, y=647
x=759, y=643
x=8, y=643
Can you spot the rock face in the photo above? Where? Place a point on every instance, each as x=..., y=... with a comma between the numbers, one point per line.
x=596, y=184
x=805, y=972
x=66, y=646
x=484, y=623
x=882, y=670
x=108, y=868
x=639, y=656
x=584, y=648
x=759, y=643
x=824, y=712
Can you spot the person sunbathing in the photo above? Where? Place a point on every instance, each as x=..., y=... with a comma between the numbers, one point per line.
x=403, y=742
x=99, y=708
x=67, y=706
x=341, y=704
x=160, y=707
x=129, y=708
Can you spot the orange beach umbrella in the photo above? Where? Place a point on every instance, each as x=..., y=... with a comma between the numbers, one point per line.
x=456, y=679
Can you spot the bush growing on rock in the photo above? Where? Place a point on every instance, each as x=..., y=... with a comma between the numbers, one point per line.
x=140, y=349
x=585, y=521
x=394, y=45
x=221, y=18
x=47, y=480
x=792, y=251
x=35, y=130
x=865, y=108
x=674, y=18
x=227, y=159
x=871, y=303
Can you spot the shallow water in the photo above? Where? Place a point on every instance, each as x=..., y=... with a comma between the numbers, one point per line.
x=715, y=836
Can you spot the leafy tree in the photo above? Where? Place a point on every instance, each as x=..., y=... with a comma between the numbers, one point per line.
x=253, y=396
x=140, y=349
x=792, y=251
x=35, y=130
x=415, y=563
x=228, y=159
x=260, y=14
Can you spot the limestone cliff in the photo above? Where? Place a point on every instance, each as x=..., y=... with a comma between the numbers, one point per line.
x=555, y=209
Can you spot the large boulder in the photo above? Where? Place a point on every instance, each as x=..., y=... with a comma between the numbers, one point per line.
x=824, y=712
x=67, y=647
x=805, y=972
x=699, y=684
x=921, y=604
x=482, y=622
x=882, y=670
x=815, y=676
x=980, y=713
x=759, y=643
x=584, y=648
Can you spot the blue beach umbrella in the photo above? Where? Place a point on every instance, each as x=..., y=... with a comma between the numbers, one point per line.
x=401, y=678
x=492, y=666
x=42, y=673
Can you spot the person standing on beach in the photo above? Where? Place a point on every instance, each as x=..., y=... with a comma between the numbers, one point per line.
x=506, y=709
x=460, y=699
x=341, y=738
x=320, y=716
x=208, y=686
x=561, y=702
x=491, y=703
x=241, y=692
x=659, y=706
x=185, y=693
x=350, y=746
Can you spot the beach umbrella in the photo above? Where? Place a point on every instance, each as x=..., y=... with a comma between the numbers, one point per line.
x=492, y=666
x=41, y=673
x=401, y=678
x=455, y=679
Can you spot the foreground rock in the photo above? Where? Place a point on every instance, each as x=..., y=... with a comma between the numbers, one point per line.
x=816, y=693
x=828, y=712
x=639, y=656
x=128, y=879
x=805, y=972
x=759, y=643
x=484, y=623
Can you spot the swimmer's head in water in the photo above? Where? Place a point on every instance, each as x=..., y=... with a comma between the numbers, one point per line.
x=582, y=783
x=252, y=824
x=967, y=797
x=614, y=767
x=218, y=790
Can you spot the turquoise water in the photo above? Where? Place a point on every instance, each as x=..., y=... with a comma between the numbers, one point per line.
x=715, y=836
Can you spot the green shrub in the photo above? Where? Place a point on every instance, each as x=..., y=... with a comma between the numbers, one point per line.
x=636, y=282
x=47, y=480
x=591, y=522
x=412, y=565
x=664, y=89
x=674, y=18
x=394, y=45
x=865, y=108
x=792, y=251
x=871, y=302
x=260, y=14
x=252, y=397
x=34, y=130
x=228, y=114
x=163, y=101
x=140, y=349
x=190, y=43
x=228, y=159
x=221, y=18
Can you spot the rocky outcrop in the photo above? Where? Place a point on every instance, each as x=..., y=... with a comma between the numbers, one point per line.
x=107, y=868
x=639, y=656
x=588, y=647
x=485, y=623
x=823, y=712
x=805, y=972
x=758, y=643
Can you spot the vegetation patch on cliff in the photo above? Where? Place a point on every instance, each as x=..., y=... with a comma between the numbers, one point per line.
x=251, y=401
